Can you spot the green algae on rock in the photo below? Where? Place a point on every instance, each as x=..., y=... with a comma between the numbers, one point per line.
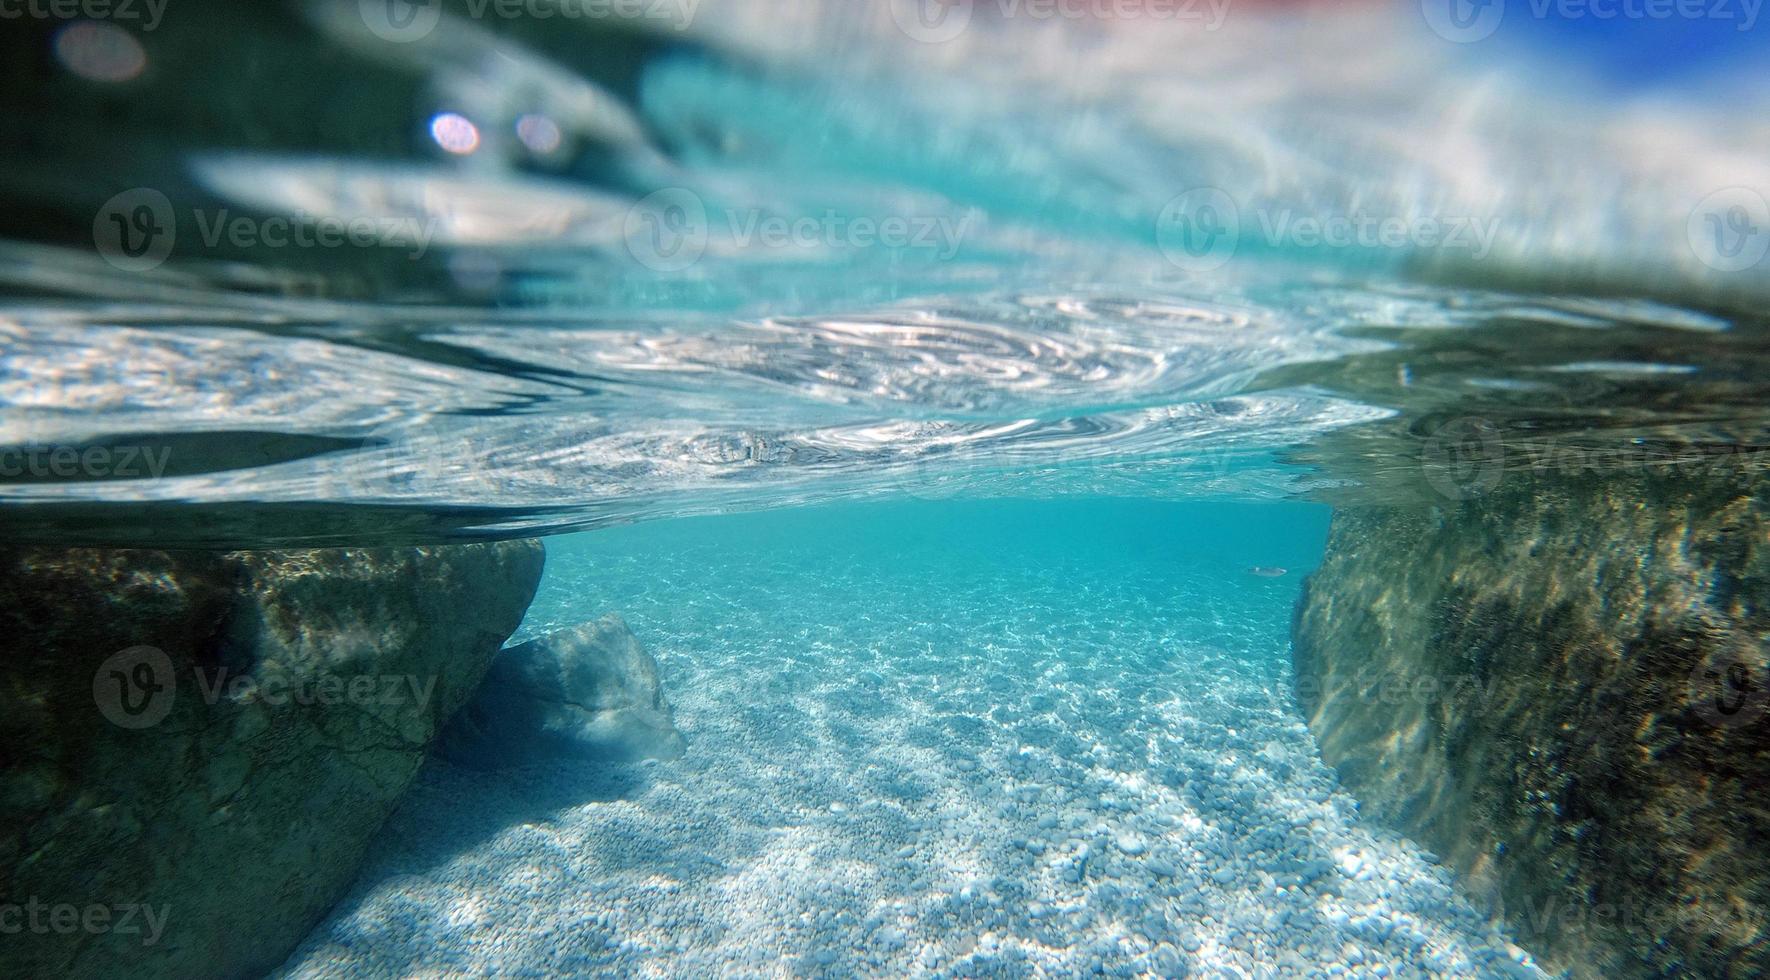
x=213, y=738
x=1560, y=687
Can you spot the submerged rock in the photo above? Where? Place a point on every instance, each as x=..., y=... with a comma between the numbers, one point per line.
x=590, y=692
x=200, y=745
x=1562, y=691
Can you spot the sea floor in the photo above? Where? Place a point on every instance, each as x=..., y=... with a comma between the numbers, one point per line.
x=919, y=752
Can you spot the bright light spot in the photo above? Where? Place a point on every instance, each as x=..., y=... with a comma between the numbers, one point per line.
x=466, y=911
x=454, y=133
x=539, y=133
x=100, y=52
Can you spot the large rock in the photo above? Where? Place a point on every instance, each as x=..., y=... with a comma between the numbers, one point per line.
x=199, y=746
x=1562, y=690
x=588, y=693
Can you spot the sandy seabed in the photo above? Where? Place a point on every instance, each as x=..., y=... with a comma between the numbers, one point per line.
x=903, y=768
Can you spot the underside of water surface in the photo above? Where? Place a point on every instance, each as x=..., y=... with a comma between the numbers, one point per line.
x=1002, y=488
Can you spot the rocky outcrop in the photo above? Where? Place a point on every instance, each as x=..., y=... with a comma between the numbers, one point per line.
x=1562, y=690
x=587, y=693
x=199, y=746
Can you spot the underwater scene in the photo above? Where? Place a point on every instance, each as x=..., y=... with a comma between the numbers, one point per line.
x=884, y=488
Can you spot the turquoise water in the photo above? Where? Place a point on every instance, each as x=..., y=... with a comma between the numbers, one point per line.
x=794, y=254
x=954, y=420
x=951, y=738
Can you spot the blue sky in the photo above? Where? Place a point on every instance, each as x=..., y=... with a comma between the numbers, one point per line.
x=1641, y=51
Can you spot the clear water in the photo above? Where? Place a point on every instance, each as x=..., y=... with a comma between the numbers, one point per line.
x=695, y=302
x=953, y=739
x=967, y=544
